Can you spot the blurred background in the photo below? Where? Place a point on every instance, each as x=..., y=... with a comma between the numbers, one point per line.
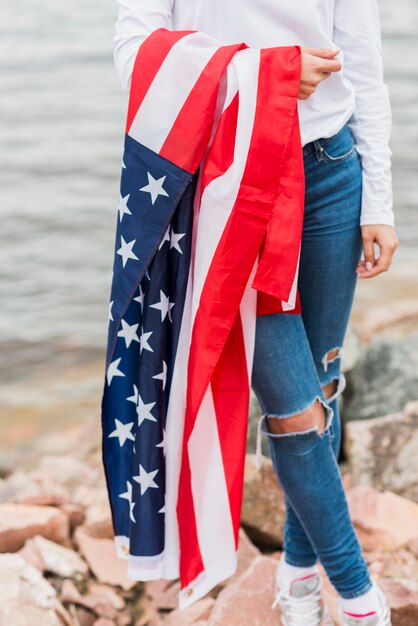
x=62, y=119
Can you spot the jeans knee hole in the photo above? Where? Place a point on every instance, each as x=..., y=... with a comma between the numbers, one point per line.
x=331, y=355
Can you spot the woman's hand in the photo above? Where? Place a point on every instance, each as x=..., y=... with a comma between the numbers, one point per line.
x=317, y=64
x=385, y=237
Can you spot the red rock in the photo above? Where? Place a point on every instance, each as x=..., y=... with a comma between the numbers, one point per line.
x=98, y=519
x=263, y=508
x=98, y=604
x=75, y=512
x=26, y=597
x=33, y=488
x=101, y=556
x=247, y=601
x=97, y=589
x=19, y=522
x=84, y=616
x=402, y=595
x=413, y=546
x=32, y=556
x=145, y=611
x=390, y=315
x=383, y=520
x=68, y=470
x=57, y=559
x=197, y=612
x=164, y=593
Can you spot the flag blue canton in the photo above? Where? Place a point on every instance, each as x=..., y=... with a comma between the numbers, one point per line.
x=150, y=274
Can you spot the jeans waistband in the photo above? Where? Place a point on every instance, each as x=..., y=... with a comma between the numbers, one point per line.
x=310, y=147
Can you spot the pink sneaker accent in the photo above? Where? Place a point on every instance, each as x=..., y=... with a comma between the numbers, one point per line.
x=360, y=614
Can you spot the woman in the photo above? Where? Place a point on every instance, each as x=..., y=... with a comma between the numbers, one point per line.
x=345, y=123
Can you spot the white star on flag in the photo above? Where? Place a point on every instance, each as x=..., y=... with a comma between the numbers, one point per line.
x=144, y=411
x=134, y=398
x=140, y=298
x=126, y=252
x=128, y=333
x=163, y=443
x=165, y=238
x=146, y=479
x=113, y=370
x=123, y=432
x=162, y=510
x=123, y=165
x=155, y=187
x=174, y=241
x=162, y=375
x=123, y=206
x=143, y=341
x=110, y=311
x=164, y=305
x=128, y=496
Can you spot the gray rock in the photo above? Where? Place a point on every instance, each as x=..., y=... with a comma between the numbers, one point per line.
x=384, y=379
x=382, y=452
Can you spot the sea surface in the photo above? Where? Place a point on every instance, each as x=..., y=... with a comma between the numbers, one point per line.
x=62, y=115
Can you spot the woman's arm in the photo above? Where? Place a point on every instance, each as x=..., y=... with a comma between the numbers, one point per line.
x=136, y=20
x=357, y=33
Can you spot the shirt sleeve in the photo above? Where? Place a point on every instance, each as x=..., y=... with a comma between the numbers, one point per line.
x=357, y=33
x=135, y=21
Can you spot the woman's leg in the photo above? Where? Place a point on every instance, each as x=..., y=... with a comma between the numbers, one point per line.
x=297, y=377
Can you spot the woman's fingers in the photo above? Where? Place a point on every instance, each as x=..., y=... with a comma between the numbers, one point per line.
x=328, y=65
x=325, y=53
x=385, y=237
x=317, y=64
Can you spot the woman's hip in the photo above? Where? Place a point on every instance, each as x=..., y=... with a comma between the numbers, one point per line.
x=333, y=184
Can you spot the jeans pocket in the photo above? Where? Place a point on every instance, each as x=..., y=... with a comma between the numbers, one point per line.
x=340, y=147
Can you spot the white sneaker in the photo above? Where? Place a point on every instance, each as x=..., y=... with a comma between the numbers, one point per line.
x=302, y=604
x=375, y=619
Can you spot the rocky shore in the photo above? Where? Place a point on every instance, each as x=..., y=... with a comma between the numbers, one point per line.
x=58, y=566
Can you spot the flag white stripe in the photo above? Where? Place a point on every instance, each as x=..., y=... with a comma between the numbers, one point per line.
x=170, y=88
x=214, y=522
x=220, y=195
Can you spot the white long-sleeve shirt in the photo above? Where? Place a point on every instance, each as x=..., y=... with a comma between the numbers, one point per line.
x=357, y=94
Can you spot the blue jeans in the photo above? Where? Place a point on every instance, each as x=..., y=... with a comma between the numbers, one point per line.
x=291, y=366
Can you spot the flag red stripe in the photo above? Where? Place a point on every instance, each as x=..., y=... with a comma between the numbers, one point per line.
x=195, y=118
x=230, y=389
x=222, y=291
x=149, y=58
x=221, y=153
x=287, y=177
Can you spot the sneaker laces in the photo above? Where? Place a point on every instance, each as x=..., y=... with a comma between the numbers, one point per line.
x=299, y=610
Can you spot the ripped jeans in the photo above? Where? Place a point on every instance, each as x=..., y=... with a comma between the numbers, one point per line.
x=296, y=355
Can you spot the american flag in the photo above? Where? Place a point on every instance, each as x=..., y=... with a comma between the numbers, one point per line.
x=208, y=235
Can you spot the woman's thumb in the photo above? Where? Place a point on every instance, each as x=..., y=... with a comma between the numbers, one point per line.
x=323, y=53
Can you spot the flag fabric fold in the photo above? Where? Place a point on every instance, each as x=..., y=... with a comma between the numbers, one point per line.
x=208, y=236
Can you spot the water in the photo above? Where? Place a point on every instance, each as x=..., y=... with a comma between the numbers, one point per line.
x=62, y=115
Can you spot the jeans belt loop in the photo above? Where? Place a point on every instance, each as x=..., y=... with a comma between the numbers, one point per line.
x=319, y=150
